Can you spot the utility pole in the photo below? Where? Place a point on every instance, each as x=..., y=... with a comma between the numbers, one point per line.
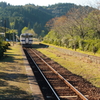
x=5, y=28
x=13, y=38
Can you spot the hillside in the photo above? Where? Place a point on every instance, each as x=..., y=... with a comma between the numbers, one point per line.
x=31, y=16
x=18, y=17
x=59, y=9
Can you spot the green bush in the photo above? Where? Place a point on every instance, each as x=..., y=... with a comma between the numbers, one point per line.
x=95, y=49
x=3, y=46
x=89, y=45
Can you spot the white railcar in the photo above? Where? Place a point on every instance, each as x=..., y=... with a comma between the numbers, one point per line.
x=26, y=39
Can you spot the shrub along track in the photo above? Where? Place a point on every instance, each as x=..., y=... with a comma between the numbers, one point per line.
x=86, y=88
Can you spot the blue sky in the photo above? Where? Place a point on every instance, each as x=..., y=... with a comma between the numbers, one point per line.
x=49, y=2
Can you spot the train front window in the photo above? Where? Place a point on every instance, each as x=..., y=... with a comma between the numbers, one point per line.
x=23, y=36
x=30, y=36
x=27, y=36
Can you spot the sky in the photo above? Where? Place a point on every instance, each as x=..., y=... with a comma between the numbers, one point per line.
x=50, y=2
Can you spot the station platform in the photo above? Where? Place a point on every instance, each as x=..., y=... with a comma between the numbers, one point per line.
x=17, y=81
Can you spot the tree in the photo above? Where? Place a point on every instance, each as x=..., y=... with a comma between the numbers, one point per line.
x=11, y=34
x=27, y=30
x=76, y=19
x=93, y=23
x=37, y=28
x=24, y=30
x=32, y=32
x=15, y=24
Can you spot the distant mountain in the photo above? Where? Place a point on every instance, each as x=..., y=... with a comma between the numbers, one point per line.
x=58, y=9
x=32, y=16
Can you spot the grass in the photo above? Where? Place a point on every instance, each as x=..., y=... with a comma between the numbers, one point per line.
x=89, y=71
x=13, y=79
x=85, y=52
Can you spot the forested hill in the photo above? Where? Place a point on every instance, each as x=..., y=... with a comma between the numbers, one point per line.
x=59, y=9
x=31, y=16
x=18, y=17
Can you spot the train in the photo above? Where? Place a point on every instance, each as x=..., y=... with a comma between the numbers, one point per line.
x=26, y=39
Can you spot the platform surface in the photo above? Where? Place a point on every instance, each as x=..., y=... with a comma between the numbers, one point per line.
x=17, y=81
x=36, y=92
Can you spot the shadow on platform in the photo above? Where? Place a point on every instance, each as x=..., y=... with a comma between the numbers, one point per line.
x=14, y=92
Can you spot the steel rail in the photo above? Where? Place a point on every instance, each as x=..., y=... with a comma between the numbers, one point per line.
x=63, y=79
x=58, y=98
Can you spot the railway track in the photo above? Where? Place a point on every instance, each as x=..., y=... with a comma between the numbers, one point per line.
x=54, y=84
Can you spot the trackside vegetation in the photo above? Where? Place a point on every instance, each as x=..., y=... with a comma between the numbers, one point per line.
x=3, y=46
x=78, y=29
